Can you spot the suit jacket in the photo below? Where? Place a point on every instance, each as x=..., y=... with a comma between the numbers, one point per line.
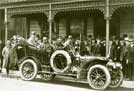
x=130, y=54
x=113, y=51
x=1, y=47
x=9, y=54
x=123, y=53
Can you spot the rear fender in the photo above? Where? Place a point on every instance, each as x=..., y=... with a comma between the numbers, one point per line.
x=36, y=60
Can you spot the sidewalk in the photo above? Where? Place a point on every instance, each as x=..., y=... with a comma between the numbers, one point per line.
x=12, y=74
x=16, y=75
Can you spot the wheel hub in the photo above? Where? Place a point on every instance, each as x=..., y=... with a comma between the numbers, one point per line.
x=98, y=76
x=28, y=70
x=115, y=78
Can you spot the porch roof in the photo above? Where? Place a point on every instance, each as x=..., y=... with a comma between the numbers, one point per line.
x=34, y=6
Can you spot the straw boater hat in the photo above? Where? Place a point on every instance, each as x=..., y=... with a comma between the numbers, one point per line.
x=131, y=40
x=69, y=36
x=126, y=39
x=44, y=38
x=33, y=33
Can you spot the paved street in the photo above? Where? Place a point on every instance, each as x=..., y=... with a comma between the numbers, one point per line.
x=12, y=83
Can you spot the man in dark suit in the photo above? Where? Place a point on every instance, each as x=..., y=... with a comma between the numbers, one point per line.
x=113, y=50
x=58, y=44
x=1, y=58
x=130, y=60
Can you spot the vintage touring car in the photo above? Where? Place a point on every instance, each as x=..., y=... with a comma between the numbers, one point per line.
x=99, y=72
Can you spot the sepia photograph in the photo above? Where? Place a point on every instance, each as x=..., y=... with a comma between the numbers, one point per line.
x=66, y=45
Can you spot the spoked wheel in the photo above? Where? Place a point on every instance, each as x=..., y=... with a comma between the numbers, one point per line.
x=116, y=78
x=98, y=77
x=47, y=76
x=28, y=70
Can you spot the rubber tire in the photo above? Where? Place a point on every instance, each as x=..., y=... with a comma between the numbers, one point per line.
x=69, y=61
x=47, y=79
x=107, y=76
x=120, y=82
x=35, y=69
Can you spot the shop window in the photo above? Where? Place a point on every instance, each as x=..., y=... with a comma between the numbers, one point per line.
x=76, y=27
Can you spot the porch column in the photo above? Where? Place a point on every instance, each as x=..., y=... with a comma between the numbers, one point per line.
x=6, y=22
x=107, y=27
x=50, y=20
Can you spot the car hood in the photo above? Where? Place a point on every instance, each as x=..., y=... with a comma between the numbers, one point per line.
x=90, y=58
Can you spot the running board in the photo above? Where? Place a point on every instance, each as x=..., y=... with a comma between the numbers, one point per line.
x=64, y=74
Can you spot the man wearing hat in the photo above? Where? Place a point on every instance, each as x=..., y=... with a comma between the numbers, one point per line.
x=9, y=57
x=46, y=50
x=69, y=42
x=123, y=54
x=130, y=60
x=89, y=43
x=58, y=44
x=32, y=40
x=44, y=43
x=113, y=49
x=1, y=58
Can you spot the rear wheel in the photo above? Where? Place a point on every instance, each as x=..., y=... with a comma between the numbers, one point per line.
x=98, y=77
x=116, y=78
x=28, y=69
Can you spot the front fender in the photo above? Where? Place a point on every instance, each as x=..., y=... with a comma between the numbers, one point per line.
x=114, y=65
x=86, y=66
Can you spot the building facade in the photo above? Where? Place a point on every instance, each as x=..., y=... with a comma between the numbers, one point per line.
x=100, y=18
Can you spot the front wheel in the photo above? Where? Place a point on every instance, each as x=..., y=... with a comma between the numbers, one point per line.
x=116, y=78
x=28, y=69
x=98, y=77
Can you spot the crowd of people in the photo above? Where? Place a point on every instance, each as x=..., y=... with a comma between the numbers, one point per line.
x=120, y=49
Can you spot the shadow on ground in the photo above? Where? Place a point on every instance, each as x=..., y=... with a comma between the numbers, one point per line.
x=68, y=82
x=58, y=81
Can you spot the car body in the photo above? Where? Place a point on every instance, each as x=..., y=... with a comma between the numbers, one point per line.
x=99, y=72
